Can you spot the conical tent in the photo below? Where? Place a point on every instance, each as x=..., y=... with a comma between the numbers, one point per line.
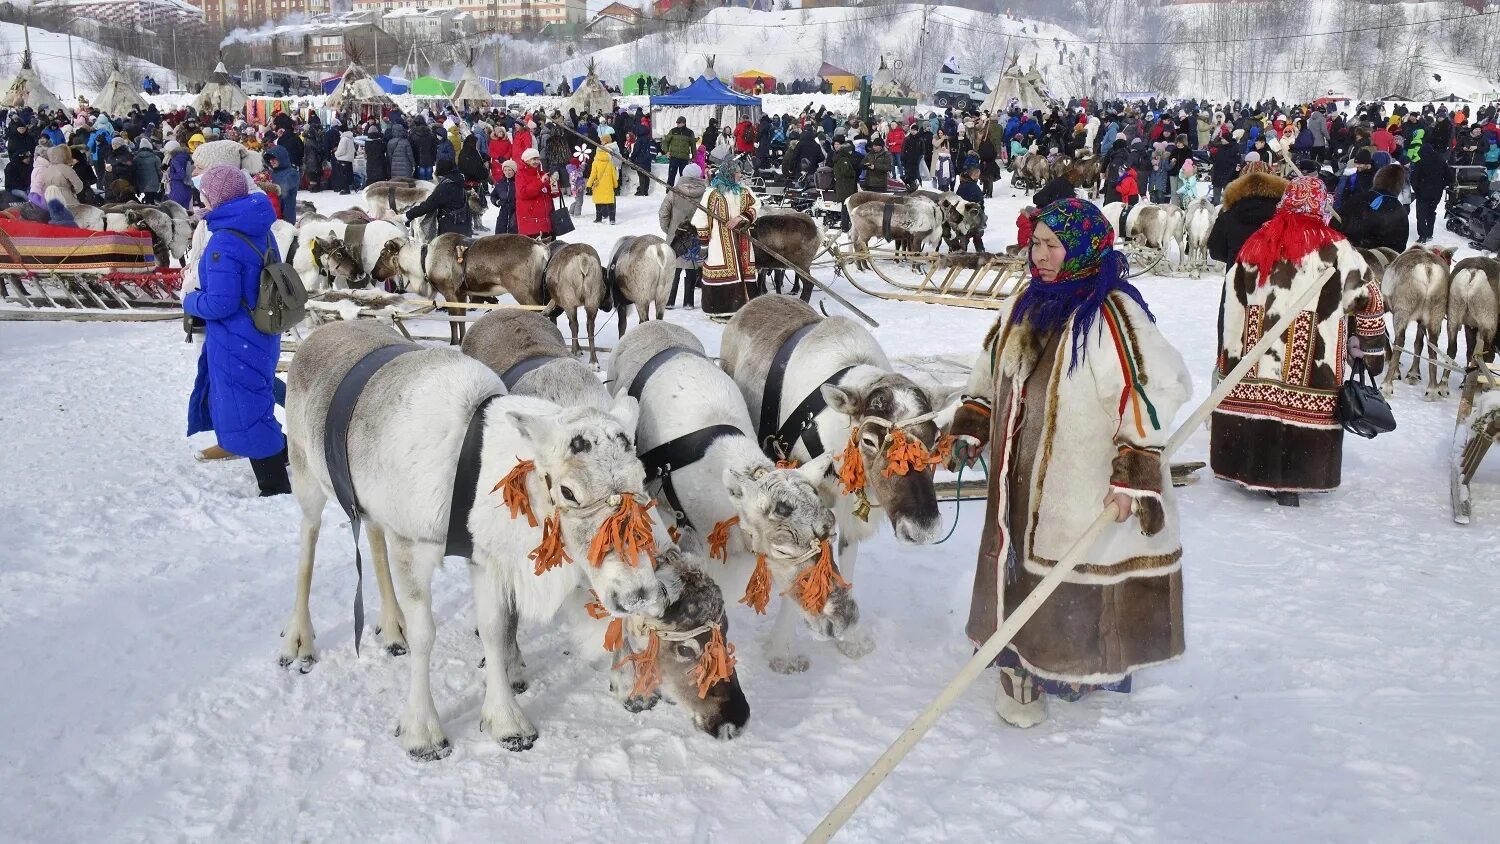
x=1016, y=89
x=471, y=91
x=431, y=86
x=357, y=89
x=117, y=97
x=591, y=97
x=26, y=89
x=220, y=93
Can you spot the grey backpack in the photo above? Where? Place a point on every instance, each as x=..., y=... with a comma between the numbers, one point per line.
x=283, y=300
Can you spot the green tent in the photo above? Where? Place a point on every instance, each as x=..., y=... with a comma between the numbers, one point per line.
x=631, y=86
x=431, y=86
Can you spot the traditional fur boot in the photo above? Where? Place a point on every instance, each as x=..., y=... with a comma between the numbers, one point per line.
x=1010, y=693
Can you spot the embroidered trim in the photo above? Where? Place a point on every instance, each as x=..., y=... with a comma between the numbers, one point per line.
x=1288, y=403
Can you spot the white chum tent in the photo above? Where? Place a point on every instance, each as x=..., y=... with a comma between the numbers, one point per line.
x=26, y=89
x=471, y=91
x=1017, y=88
x=117, y=97
x=592, y=97
x=220, y=93
x=358, y=89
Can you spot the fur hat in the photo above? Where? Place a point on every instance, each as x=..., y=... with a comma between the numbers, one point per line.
x=1251, y=157
x=222, y=183
x=1390, y=179
x=531, y=155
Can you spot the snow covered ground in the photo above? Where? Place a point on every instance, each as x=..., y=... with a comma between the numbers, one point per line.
x=1340, y=680
x=49, y=53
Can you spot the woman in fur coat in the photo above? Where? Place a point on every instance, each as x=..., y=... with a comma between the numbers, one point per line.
x=1076, y=387
x=1276, y=432
x=729, y=277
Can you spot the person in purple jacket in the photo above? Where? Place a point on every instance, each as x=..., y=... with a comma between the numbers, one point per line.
x=179, y=174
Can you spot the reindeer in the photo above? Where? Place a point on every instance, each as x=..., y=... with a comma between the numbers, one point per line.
x=582, y=473
x=793, y=235
x=1200, y=221
x=1085, y=173
x=1416, y=290
x=640, y=271
x=780, y=514
x=457, y=267
x=575, y=280
x=501, y=339
x=867, y=400
x=1154, y=226
x=1473, y=305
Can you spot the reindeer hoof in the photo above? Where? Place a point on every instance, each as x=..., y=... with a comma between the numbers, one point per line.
x=431, y=752
x=641, y=703
x=519, y=687
x=1442, y=391
x=1431, y=395
x=395, y=649
x=1387, y=389
x=1413, y=377
x=518, y=744
x=303, y=664
x=793, y=664
x=856, y=646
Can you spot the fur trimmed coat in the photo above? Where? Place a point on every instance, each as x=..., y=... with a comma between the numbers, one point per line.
x=1276, y=431
x=1058, y=443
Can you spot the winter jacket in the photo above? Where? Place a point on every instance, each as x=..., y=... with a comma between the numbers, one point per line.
x=499, y=151
x=423, y=145
x=896, y=139
x=449, y=204
x=602, y=181
x=1249, y=202
x=471, y=164
x=147, y=170
x=232, y=394
x=443, y=149
x=1317, y=124
x=400, y=155
x=845, y=174
x=180, y=178
x=744, y=138
x=345, y=150
x=679, y=205
x=877, y=169
x=377, y=166
x=57, y=173
x=1430, y=175
x=1226, y=160
x=504, y=197
x=533, y=201
x=314, y=151
x=1369, y=227
x=679, y=143
x=520, y=141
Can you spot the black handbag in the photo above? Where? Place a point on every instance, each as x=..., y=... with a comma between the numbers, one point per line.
x=562, y=221
x=1361, y=408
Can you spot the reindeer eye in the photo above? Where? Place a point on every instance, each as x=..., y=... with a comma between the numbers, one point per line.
x=783, y=509
x=579, y=445
x=686, y=651
x=567, y=495
x=869, y=441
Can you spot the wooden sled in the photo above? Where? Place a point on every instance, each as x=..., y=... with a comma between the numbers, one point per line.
x=1477, y=429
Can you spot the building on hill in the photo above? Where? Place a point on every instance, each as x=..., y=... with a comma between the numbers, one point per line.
x=428, y=25
x=228, y=14
x=615, y=23
x=320, y=46
x=162, y=16
x=500, y=15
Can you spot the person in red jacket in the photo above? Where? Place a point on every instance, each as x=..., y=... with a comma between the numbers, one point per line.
x=534, y=193
x=744, y=138
x=522, y=141
x=499, y=153
x=895, y=141
x=1024, y=226
x=1128, y=189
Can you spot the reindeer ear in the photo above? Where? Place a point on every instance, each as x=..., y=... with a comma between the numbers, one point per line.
x=627, y=411
x=536, y=428
x=669, y=565
x=842, y=399
x=735, y=483
x=815, y=470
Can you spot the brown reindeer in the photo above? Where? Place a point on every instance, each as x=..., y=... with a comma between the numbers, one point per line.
x=641, y=269
x=1473, y=302
x=794, y=236
x=459, y=267
x=1416, y=290
x=575, y=279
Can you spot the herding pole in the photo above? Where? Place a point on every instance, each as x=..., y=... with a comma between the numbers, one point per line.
x=1013, y=624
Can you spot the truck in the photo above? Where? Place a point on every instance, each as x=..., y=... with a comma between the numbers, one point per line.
x=959, y=90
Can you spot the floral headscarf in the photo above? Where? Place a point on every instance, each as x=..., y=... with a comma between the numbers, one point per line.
x=1091, y=271
x=1299, y=228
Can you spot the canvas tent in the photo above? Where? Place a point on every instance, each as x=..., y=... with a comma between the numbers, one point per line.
x=388, y=84
x=470, y=91
x=431, y=86
x=219, y=93
x=117, y=97
x=747, y=80
x=1017, y=88
x=358, y=90
x=517, y=85
x=706, y=98
x=26, y=88
x=842, y=81
x=591, y=97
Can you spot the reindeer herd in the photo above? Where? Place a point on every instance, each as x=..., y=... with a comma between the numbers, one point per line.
x=636, y=512
x=1423, y=287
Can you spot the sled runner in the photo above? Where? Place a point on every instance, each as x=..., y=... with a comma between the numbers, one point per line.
x=1477, y=429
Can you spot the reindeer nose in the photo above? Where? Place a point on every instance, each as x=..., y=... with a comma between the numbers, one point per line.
x=650, y=600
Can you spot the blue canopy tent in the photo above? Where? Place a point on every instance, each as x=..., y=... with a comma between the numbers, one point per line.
x=706, y=98
x=517, y=85
x=576, y=82
x=388, y=84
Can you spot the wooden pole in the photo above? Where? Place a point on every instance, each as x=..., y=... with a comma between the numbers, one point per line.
x=1013, y=624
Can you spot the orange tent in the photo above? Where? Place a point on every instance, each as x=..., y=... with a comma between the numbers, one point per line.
x=755, y=82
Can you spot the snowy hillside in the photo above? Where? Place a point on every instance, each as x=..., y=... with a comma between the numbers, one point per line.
x=49, y=52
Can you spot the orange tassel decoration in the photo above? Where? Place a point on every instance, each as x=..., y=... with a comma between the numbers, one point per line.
x=716, y=663
x=647, y=667
x=758, y=590
x=852, y=465
x=718, y=539
x=512, y=489
x=942, y=452
x=788, y=463
x=817, y=581
x=628, y=531
x=550, y=554
x=675, y=534
x=614, y=635
x=904, y=454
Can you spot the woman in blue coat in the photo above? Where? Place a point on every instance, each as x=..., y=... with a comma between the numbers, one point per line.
x=233, y=395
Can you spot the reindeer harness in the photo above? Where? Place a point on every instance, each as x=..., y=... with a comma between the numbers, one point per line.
x=676, y=453
x=777, y=438
x=459, y=542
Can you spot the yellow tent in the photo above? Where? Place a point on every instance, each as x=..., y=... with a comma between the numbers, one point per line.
x=842, y=81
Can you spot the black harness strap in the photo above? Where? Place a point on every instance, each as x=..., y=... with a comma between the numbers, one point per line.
x=522, y=367
x=770, y=403
x=460, y=542
x=662, y=461
x=391, y=196
x=336, y=452
x=638, y=384
x=887, y=212
x=802, y=423
x=354, y=242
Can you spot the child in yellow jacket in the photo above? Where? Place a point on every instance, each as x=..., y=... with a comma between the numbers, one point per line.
x=603, y=181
